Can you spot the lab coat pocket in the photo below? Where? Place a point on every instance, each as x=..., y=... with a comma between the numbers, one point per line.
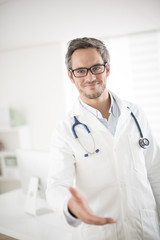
x=137, y=155
x=150, y=225
x=93, y=232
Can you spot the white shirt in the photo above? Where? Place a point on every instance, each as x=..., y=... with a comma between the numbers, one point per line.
x=114, y=111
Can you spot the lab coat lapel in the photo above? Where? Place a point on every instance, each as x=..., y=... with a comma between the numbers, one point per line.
x=91, y=121
x=124, y=117
x=88, y=118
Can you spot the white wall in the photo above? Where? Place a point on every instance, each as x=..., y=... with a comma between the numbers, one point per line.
x=31, y=82
x=25, y=22
x=32, y=78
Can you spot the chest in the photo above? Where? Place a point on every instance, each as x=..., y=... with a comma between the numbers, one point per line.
x=119, y=156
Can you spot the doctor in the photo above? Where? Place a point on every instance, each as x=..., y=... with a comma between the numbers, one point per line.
x=117, y=179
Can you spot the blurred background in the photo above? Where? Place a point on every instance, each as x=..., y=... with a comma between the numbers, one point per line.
x=35, y=92
x=33, y=39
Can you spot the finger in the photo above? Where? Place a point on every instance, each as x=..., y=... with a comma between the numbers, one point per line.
x=100, y=221
x=75, y=193
x=104, y=221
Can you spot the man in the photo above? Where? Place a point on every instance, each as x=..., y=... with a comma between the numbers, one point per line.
x=117, y=177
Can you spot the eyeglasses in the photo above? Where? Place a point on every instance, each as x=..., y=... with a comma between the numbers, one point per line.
x=82, y=72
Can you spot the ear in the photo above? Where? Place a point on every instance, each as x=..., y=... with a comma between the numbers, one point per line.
x=70, y=75
x=108, y=70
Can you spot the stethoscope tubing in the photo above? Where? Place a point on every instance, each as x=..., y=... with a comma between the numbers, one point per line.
x=143, y=142
x=76, y=122
x=137, y=123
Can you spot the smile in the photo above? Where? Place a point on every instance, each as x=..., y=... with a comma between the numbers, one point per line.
x=91, y=85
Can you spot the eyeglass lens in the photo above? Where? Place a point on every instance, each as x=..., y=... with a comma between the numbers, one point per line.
x=81, y=72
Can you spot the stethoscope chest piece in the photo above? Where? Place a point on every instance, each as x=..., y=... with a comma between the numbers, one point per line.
x=144, y=142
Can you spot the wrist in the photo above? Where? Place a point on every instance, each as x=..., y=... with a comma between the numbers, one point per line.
x=71, y=213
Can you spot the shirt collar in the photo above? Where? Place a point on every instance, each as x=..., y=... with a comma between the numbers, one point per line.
x=97, y=113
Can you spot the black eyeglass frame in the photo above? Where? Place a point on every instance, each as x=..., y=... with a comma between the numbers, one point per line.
x=88, y=69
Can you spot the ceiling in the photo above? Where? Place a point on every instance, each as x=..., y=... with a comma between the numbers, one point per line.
x=32, y=22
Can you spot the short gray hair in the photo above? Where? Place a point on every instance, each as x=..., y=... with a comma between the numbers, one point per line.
x=84, y=43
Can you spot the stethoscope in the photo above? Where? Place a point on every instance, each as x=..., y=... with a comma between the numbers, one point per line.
x=143, y=142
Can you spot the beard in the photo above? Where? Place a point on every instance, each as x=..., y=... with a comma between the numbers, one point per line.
x=95, y=94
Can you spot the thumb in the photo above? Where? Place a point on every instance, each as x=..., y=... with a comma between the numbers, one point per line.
x=75, y=193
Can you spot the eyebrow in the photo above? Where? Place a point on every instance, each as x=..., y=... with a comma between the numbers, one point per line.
x=98, y=64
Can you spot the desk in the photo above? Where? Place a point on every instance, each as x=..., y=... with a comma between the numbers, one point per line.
x=4, y=237
x=17, y=224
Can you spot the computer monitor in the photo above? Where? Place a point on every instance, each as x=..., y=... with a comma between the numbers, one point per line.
x=33, y=170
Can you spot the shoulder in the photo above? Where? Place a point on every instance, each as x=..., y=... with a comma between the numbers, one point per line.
x=139, y=114
x=125, y=103
x=63, y=124
x=132, y=106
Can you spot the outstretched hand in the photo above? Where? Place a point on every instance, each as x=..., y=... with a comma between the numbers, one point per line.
x=78, y=205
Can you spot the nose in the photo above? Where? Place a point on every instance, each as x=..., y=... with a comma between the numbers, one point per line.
x=90, y=76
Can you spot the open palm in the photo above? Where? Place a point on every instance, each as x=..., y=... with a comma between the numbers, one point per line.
x=78, y=205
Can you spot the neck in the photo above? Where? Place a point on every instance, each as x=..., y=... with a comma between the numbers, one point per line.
x=101, y=103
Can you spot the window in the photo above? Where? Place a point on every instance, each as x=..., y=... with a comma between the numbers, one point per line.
x=135, y=72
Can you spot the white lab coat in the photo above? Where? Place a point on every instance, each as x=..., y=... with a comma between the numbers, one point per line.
x=122, y=181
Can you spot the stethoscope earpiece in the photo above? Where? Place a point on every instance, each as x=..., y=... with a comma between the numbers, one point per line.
x=86, y=154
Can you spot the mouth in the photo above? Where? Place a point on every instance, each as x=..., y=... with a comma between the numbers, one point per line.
x=91, y=84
